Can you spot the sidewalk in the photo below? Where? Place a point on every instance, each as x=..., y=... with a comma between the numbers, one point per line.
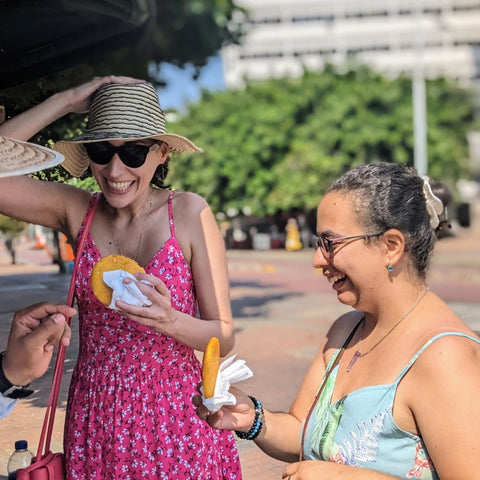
x=282, y=309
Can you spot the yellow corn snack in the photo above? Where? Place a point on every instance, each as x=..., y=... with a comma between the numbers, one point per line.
x=210, y=366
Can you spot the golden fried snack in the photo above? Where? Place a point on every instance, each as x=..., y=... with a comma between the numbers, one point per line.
x=210, y=366
x=111, y=262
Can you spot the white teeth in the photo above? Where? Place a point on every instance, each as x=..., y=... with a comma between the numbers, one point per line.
x=335, y=278
x=120, y=186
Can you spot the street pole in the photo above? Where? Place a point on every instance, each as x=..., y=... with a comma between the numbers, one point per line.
x=419, y=98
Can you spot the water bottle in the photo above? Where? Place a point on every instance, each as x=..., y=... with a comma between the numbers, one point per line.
x=20, y=458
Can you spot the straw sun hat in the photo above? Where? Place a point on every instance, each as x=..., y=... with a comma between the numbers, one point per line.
x=20, y=158
x=121, y=112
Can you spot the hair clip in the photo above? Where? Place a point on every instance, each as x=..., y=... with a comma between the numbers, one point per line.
x=434, y=204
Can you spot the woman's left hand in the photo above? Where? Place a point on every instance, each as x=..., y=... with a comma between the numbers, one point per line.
x=320, y=470
x=78, y=98
x=159, y=315
x=309, y=470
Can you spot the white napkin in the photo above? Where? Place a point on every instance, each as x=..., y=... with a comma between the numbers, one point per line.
x=127, y=293
x=230, y=371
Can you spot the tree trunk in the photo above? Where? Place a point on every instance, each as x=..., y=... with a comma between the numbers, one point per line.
x=9, y=243
x=57, y=257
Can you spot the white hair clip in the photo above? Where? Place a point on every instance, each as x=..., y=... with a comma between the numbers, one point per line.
x=434, y=204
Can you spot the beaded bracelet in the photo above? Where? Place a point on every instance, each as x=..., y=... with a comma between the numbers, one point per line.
x=257, y=424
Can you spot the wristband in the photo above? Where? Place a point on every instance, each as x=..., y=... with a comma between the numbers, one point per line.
x=257, y=424
x=7, y=389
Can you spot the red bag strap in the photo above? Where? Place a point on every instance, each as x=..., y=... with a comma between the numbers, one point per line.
x=46, y=434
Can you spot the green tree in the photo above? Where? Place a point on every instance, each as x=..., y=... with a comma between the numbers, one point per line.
x=54, y=44
x=164, y=31
x=10, y=230
x=278, y=144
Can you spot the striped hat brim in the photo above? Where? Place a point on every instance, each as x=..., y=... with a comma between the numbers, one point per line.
x=125, y=112
x=77, y=161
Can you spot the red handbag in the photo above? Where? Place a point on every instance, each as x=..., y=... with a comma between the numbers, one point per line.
x=47, y=465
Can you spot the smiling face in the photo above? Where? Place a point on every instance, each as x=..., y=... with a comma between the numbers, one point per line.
x=355, y=266
x=122, y=184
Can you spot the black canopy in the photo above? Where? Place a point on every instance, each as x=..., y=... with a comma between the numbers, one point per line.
x=41, y=37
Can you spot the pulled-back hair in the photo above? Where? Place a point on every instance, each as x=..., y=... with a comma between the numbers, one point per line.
x=390, y=195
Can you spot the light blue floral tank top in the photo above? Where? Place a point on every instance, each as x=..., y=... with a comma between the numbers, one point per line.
x=359, y=429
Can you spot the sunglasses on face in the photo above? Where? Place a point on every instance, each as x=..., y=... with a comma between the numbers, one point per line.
x=327, y=245
x=131, y=154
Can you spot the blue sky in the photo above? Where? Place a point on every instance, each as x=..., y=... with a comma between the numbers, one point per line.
x=182, y=89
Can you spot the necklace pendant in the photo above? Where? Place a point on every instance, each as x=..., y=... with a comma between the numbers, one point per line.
x=354, y=359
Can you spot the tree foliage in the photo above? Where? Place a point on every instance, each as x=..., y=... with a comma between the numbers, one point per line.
x=10, y=229
x=278, y=144
x=52, y=45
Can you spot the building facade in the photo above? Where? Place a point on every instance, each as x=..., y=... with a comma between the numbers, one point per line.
x=283, y=37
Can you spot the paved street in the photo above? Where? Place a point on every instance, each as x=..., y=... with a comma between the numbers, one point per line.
x=282, y=308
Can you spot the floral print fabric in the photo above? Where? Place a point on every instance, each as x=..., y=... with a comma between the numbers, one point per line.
x=130, y=412
x=359, y=429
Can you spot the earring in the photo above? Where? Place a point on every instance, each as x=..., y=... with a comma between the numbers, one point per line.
x=389, y=268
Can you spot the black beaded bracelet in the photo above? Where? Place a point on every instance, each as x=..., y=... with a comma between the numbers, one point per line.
x=257, y=424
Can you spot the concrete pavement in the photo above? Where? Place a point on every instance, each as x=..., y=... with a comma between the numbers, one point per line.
x=282, y=309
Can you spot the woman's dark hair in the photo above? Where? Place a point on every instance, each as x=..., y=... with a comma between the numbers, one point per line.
x=390, y=195
x=160, y=174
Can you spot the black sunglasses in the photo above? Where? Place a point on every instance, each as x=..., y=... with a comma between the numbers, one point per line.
x=131, y=154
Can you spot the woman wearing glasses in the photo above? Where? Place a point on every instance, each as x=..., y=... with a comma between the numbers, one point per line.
x=129, y=411
x=393, y=391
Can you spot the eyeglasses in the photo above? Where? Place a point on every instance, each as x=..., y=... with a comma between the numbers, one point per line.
x=327, y=245
x=131, y=154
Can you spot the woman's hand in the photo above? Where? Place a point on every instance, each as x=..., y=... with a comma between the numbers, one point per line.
x=230, y=417
x=313, y=470
x=160, y=315
x=34, y=333
x=319, y=469
x=77, y=99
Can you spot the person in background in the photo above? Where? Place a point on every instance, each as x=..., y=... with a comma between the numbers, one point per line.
x=129, y=412
x=393, y=391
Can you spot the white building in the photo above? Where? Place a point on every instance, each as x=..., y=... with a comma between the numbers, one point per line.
x=284, y=37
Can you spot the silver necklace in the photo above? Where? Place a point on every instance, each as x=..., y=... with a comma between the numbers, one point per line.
x=140, y=238
x=358, y=354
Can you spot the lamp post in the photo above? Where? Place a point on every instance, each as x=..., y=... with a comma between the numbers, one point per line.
x=419, y=97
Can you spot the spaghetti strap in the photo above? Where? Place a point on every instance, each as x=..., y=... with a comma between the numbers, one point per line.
x=170, y=213
x=427, y=344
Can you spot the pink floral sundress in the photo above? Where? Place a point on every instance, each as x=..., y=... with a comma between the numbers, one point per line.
x=130, y=412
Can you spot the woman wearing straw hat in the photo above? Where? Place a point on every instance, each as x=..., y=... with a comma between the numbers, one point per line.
x=129, y=411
